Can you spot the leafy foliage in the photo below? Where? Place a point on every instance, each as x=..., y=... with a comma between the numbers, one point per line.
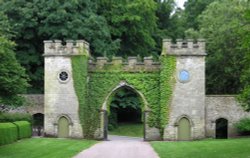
x=125, y=98
x=133, y=23
x=243, y=126
x=193, y=8
x=220, y=24
x=125, y=28
x=245, y=76
x=40, y=20
x=167, y=82
x=13, y=79
x=127, y=104
x=102, y=82
x=79, y=66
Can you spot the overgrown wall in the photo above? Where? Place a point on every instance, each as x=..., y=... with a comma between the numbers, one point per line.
x=223, y=106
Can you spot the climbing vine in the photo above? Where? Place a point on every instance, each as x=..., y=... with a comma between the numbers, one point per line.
x=167, y=80
x=156, y=86
x=79, y=73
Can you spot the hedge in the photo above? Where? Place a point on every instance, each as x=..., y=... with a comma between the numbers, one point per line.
x=8, y=133
x=24, y=129
x=11, y=117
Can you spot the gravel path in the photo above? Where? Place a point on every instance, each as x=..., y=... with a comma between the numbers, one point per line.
x=119, y=147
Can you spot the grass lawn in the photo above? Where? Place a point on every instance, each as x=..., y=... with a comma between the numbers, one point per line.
x=228, y=148
x=125, y=129
x=44, y=148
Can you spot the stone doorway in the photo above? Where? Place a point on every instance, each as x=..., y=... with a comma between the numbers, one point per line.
x=184, y=129
x=63, y=127
x=221, y=128
x=38, y=124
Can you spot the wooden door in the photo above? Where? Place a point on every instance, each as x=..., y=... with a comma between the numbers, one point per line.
x=184, y=131
x=63, y=127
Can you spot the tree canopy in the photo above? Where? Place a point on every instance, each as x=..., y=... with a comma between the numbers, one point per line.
x=13, y=79
x=131, y=28
x=220, y=25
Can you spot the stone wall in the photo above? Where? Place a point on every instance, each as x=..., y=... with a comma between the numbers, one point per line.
x=34, y=104
x=223, y=106
x=132, y=64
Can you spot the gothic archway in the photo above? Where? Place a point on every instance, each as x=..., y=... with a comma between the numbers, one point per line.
x=106, y=107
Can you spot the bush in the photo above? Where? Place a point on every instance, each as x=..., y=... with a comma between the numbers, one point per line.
x=243, y=126
x=24, y=129
x=8, y=133
x=12, y=117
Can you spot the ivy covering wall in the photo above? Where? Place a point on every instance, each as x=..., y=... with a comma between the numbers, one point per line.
x=92, y=88
x=167, y=80
x=79, y=70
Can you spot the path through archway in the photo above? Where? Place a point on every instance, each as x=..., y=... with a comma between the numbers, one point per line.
x=125, y=116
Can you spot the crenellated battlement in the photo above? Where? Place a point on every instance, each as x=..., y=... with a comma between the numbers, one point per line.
x=71, y=47
x=184, y=47
x=129, y=64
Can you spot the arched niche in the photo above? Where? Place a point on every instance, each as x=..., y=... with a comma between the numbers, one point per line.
x=221, y=128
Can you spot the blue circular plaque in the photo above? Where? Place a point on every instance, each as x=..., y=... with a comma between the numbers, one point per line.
x=184, y=76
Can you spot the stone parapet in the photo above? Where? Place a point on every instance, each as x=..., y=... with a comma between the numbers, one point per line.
x=131, y=64
x=71, y=47
x=184, y=47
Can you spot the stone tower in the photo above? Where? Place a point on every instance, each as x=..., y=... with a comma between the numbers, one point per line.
x=61, y=103
x=187, y=106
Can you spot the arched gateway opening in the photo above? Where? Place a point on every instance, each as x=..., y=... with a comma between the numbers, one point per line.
x=221, y=128
x=124, y=108
x=38, y=124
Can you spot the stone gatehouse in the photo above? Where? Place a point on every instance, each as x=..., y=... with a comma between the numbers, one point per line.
x=179, y=111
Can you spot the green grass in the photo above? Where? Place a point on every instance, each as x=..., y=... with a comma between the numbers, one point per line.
x=44, y=148
x=125, y=129
x=231, y=148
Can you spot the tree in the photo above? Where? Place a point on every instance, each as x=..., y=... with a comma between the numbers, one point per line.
x=193, y=8
x=13, y=80
x=220, y=24
x=38, y=20
x=166, y=24
x=133, y=22
x=244, y=96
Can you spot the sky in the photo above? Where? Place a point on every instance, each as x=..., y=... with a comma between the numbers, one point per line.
x=180, y=3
